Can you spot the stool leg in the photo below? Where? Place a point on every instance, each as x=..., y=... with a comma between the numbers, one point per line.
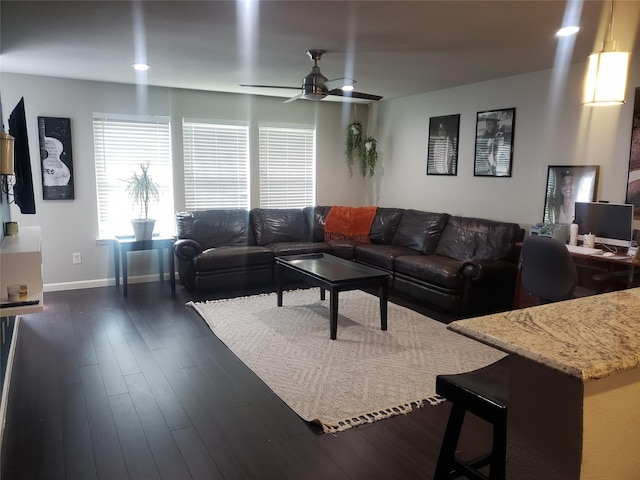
x=499, y=455
x=449, y=443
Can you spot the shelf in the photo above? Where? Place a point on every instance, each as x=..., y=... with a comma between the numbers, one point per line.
x=21, y=263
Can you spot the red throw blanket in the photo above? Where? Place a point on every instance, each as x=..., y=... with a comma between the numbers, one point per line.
x=349, y=223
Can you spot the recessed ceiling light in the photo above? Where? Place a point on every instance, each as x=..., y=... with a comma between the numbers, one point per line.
x=141, y=67
x=567, y=31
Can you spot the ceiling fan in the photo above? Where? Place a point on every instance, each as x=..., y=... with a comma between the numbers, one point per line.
x=316, y=86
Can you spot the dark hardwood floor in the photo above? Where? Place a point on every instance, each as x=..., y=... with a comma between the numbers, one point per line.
x=113, y=388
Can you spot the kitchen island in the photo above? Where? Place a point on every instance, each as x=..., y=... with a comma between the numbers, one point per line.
x=574, y=387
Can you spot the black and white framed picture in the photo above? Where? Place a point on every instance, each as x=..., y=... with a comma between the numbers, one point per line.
x=494, y=143
x=56, y=158
x=442, y=156
x=566, y=185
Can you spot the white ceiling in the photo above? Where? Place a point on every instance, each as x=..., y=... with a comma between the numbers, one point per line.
x=392, y=48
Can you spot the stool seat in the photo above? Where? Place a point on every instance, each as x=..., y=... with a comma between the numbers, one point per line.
x=485, y=393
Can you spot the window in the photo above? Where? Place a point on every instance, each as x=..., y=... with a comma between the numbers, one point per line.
x=216, y=165
x=121, y=145
x=287, y=167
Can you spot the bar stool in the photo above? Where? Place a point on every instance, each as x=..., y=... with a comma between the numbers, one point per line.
x=485, y=393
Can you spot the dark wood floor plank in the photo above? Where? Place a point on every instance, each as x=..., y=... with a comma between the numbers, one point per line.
x=125, y=358
x=107, y=450
x=49, y=456
x=212, y=436
x=166, y=399
x=107, y=361
x=135, y=447
x=76, y=438
x=167, y=456
x=200, y=463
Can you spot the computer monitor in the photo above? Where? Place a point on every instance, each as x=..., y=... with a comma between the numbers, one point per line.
x=612, y=223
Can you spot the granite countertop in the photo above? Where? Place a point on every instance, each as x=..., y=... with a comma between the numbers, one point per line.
x=588, y=338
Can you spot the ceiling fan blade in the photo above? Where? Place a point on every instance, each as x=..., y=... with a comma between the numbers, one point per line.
x=362, y=96
x=293, y=98
x=339, y=83
x=270, y=86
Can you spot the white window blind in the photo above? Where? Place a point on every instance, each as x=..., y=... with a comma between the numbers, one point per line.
x=121, y=145
x=216, y=165
x=287, y=167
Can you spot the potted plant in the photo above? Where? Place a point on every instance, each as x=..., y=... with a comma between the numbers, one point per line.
x=142, y=190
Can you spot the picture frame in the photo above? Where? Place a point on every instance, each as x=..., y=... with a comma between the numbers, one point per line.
x=495, y=131
x=56, y=158
x=633, y=179
x=442, y=151
x=567, y=184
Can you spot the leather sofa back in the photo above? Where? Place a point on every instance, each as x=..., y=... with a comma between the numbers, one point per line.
x=274, y=225
x=467, y=237
x=420, y=231
x=215, y=228
x=383, y=228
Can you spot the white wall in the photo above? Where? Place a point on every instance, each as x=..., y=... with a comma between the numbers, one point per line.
x=551, y=128
x=71, y=226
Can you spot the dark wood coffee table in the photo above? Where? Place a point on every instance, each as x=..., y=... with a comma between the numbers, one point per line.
x=336, y=275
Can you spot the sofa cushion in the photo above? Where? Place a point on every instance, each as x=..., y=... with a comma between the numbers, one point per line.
x=381, y=255
x=431, y=269
x=214, y=228
x=222, y=258
x=385, y=224
x=298, y=248
x=344, y=248
x=316, y=218
x=420, y=231
x=466, y=237
x=275, y=225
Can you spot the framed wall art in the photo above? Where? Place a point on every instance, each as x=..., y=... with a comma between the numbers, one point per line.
x=633, y=180
x=442, y=156
x=56, y=158
x=566, y=185
x=494, y=143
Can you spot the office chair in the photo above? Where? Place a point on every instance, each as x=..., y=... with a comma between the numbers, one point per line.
x=548, y=271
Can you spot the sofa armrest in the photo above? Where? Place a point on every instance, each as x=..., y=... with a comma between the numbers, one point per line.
x=478, y=270
x=186, y=249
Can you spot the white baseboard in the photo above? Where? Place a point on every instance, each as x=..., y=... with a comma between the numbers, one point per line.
x=104, y=282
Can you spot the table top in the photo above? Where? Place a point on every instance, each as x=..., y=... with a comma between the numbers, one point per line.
x=588, y=338
x=330, y=268
x=130, y=239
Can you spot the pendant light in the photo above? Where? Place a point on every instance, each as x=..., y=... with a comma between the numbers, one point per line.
x=606, y=81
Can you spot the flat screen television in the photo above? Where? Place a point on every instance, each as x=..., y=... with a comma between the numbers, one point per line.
x=611, y=223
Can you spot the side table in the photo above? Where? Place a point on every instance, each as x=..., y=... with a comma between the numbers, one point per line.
x=123, y=245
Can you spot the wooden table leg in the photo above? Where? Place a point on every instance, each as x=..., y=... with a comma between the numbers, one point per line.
x=116, y=262
x=333, y=316
x=172, y=270
x=383, y=305
x=125, y=272
x=279, y=274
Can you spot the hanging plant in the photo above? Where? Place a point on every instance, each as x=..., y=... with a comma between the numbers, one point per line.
x=365, y=150
x=354, y=143
x=369, y=157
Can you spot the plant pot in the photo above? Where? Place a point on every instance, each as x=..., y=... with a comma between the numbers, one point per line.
x=143, y=228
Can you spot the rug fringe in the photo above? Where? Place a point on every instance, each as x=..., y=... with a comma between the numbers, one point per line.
x=192, y=304
x=372, y=417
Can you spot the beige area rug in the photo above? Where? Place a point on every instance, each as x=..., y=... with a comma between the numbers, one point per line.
x=363, y=376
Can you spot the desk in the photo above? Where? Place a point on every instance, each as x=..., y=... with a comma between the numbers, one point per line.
x=609, y=262
x=574, y=386
x=122, y=246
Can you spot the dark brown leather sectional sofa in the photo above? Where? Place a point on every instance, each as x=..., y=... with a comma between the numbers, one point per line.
x=459, y=265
